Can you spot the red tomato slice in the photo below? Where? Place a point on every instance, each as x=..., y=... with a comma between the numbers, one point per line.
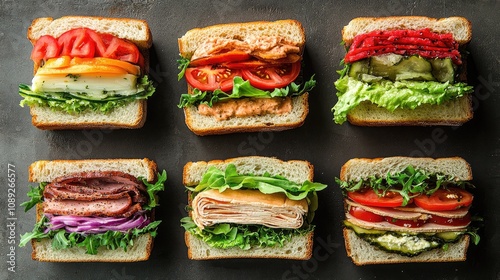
x=206, y=78
x=272, y=77
x=364, y=215
x=444, y=199
x=76, y=43
x=122, y=50
x=46, y=47
x=405, y=223
x=101, y=41
x=368, y=197
x=450, y=221
x=221, y=58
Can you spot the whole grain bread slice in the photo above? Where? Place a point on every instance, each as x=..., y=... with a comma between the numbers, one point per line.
x=46, y=171
x=299, y=248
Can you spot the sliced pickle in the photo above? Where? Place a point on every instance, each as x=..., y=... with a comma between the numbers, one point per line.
x=443, y=70
x=358, y=68
x=411, y=68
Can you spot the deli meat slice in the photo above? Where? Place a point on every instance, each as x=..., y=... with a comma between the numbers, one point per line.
x=427, y=227
x=387, y=212
x=247, y=207
x=89, y=186
x=106, y=207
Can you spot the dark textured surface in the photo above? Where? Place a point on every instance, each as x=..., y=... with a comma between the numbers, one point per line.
x=166, y=139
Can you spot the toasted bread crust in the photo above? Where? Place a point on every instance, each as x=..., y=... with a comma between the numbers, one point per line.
x=188, y=42
x=79, y=121
x=460, y=27
x=426, y=115
x=268, y=122
x=357, y=248
x=393, y=164
x=47, y=170
x=277, y=253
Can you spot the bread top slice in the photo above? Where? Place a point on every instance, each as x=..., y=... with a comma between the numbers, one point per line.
x=290, y=30
x=134, y=30
x=46, y=171
x=362, y=168
x=460, y=27
x=296, y=171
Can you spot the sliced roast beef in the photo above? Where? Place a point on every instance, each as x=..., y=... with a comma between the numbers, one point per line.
x=104, y=207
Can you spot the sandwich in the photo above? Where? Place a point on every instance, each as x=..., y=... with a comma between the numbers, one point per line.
x=250, y=207
x=89, y=72
x=403, y=209
x=406, y=70
x=244, y=77
x=99, y=210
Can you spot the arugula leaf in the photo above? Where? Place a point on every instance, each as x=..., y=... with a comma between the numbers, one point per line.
x=242, y=88
x=183, y=65
x=36, y=195
x=152, y=189
x=243, y=236
x=38, y=232
x=77, y=103
x=215, y=178
x=409, y=183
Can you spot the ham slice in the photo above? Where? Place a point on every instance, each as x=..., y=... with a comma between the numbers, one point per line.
x=107, y=207
x=459, y=213
x=247, y=207
x=388, y=212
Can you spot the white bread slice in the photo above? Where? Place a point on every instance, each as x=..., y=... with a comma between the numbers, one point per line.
x=363, y=253
x=362, y=168
x=209, y=125
x=46, y=171
x=130, y=116
x=460, y=27
x=299, y=248
x=291, y=30
x=454, y=112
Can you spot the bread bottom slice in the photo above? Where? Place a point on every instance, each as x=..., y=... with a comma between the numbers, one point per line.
x=43, y=251
x=453, y=112
x=363, y=253
x=131, y=115
x=208, y=125
x=298, y=248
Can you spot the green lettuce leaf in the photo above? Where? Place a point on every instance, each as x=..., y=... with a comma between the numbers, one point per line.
x=243, y=236
x=242, y=88
x=75, y=104
x=393, y=95
x=221, y=180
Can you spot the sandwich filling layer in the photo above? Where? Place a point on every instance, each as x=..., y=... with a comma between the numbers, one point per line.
x=400, y=69
x=229, y=209
x=86, y=70
x=409, y=212
x=94, y=209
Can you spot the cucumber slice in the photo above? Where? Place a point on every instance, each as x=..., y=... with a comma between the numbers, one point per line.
x=443, y=70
